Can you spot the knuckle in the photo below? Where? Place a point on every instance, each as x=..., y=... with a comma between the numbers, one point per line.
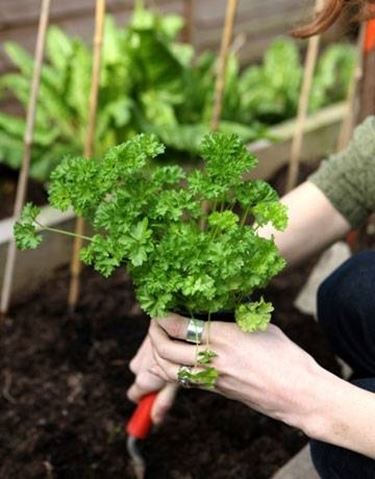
x=176, y=329
x=163, y=351
x=133, y=366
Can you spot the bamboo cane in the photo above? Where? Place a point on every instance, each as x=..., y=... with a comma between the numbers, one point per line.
x=75, y=268
x=188, y=7
x=27, y=146
x=349, y=121
x=222, y=62
x=226, y=41
x=303, y=104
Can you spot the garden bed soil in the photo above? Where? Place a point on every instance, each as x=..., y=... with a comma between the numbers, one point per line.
x=8, y=185
x=63, y=384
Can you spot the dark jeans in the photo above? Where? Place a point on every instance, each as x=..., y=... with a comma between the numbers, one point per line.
x=346, y=312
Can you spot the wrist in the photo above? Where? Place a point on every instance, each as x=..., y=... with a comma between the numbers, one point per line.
x=316, y=401
x=342, y=415
x=319, y=417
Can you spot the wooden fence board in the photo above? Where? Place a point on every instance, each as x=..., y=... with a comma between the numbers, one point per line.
x=18, y=20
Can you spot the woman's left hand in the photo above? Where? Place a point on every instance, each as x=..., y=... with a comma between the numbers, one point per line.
x=264, y=370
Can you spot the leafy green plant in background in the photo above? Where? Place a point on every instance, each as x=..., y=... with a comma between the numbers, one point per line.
x=150, y=83
x=179, y=254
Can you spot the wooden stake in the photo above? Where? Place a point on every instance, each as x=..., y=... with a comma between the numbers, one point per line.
x=303, y=105
x=222, y=62
x=27, y=143
x=226, y=41
x=351, y=114
x=188, y=7
x=89, y=147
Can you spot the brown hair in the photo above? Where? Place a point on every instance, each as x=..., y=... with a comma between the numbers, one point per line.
x=331, y=11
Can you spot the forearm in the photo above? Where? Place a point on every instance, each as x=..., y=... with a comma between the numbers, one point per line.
x=313, y=224
x=339, y=413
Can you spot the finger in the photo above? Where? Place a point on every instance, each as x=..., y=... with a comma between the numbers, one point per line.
x=136, y=363
x=170, y=371
x=174, y=351
x=176, y=326
x=163, y=403
x=145, y=383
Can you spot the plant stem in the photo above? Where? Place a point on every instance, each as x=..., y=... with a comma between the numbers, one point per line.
x=208, y=330
x=244, y=216
x=63, y=232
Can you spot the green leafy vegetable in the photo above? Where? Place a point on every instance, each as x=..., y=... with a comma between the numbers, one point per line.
x=205, y=357
x=175, y=232
x=205, y=378
x=153, y=222
x=25, y=229
x=150, y=83
x=254, y=316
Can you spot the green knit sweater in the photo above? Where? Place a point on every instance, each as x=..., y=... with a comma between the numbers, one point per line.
x=347, y=179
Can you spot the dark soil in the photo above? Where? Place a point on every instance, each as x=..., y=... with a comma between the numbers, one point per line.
x=8, y=184
x=63, y=383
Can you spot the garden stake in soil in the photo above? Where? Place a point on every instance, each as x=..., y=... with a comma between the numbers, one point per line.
x=28, y=141
x=226, y=40
x=222, y=62
x=350, y=118
x=310, y=62
x=188, y=13
x=88, y=149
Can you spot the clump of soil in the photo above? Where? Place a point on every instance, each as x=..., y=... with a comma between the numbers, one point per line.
x=63, y=384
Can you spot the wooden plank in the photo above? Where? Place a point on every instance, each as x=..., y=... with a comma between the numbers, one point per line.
x=25, y=12
x=260, y=20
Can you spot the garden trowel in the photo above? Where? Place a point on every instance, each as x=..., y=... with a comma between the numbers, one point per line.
x=138, y=428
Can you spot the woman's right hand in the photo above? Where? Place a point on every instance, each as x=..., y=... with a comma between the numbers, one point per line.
x=145, y=382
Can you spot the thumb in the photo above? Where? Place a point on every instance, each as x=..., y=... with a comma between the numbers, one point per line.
x=163, y=403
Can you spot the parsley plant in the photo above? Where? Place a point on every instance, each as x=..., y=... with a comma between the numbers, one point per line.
x=175, y=232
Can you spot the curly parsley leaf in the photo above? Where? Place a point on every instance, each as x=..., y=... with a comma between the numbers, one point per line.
x=254, y=316
x=25, y=229
x=188, y=239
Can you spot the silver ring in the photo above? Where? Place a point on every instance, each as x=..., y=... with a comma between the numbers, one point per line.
x=181, y=377
x=194, y=331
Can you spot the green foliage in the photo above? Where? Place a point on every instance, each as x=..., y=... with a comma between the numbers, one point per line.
x=25, y=228
x=269, y=92
x=254, y=316
x=333, y=75
x=205, y=357
x=150, y=83
x=152, y=221
x=206, y=377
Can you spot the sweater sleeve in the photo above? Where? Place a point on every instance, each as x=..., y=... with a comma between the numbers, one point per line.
x=347, y=179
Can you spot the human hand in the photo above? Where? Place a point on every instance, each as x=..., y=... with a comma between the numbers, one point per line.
x=264, y=370
x=146, y=382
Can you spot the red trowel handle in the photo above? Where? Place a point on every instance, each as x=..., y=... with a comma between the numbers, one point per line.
x=140, y=423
